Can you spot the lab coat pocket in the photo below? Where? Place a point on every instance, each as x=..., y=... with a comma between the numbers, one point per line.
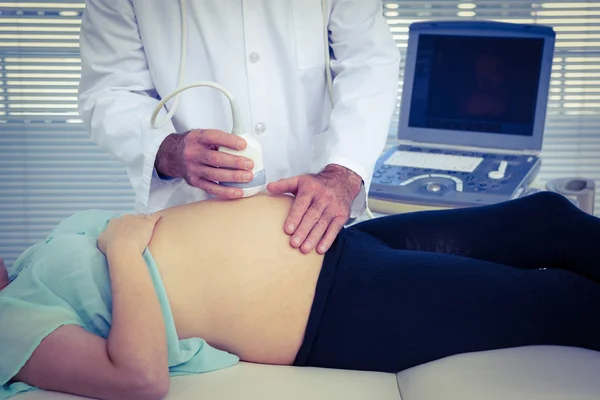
x=308, y=30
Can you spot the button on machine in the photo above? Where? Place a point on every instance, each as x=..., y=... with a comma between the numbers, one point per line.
x=433, y=187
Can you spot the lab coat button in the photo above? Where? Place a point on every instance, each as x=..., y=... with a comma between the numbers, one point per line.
x=254, y=57
x=260, y=128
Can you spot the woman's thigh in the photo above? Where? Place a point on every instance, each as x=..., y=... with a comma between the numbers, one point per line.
x=388, y=309
x=541, y=230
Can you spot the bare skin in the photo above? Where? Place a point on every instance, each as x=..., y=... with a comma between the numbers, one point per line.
x=321, y=207
x=193, y=156
x=132, y=362
x=233, y=279
x=322, y=202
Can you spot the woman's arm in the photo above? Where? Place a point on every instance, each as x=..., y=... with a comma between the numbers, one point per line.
x=137, y=341
x=132, y=362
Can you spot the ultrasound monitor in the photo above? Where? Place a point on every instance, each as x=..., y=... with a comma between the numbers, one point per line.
x=471, y=118
x=480, y=84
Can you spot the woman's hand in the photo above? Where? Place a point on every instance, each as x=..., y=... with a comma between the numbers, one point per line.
x=128, y=230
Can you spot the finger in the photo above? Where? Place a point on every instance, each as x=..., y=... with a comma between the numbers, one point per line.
x=149, y=217
x=297, y=210
x=309, y=219
x=223, y=174
x=214, y=137
x=286, y=185
x=154, y=220
x=317, y=232
x=217, y=190
x=335, y=226
x=153, y=217
x=224, y=160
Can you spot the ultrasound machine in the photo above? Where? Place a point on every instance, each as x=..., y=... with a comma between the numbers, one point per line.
x=472, y=114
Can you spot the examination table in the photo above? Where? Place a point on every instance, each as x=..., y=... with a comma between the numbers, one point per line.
x=526, y=373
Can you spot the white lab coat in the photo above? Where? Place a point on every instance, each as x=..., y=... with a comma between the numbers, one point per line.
x=269, y=54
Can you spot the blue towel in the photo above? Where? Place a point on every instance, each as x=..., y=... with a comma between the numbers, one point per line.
x=64, y=280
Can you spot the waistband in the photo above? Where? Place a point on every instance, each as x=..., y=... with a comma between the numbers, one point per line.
x=328, y=271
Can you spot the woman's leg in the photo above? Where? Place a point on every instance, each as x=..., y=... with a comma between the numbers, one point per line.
x=539, y=231
x=387, y=310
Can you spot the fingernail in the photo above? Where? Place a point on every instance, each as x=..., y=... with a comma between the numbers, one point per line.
x=248, y=177
x=323, y=248
x=307, y=246
x=290, y=228
x=240, y=144
x=296, y=241
x=239, y=193
x=249, y=164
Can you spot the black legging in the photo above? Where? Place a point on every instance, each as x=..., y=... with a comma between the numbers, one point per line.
x=403, y=290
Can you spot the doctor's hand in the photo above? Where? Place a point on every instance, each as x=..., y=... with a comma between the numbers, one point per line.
x=194, y=156
x=321, y=208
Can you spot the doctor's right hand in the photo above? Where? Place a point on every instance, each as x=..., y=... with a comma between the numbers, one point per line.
x=194, y=156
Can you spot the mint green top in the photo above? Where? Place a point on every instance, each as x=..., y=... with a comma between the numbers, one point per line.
x=65, y=280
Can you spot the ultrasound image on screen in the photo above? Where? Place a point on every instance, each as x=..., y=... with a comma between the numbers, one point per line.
x=482, y=84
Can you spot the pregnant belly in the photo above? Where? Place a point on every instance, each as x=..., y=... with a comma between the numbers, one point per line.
x=233, y=279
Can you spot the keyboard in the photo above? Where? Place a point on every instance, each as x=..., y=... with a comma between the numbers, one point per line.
x=434, y=161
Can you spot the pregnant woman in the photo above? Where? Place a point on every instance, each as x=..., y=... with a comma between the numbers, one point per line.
x=109, y=306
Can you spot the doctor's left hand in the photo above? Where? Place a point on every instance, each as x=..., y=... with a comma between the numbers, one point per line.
x=321, y=208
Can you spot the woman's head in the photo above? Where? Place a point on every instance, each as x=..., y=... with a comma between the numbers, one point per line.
x=4, y=281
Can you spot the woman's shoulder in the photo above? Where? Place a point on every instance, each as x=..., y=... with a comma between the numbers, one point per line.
x=87, y=224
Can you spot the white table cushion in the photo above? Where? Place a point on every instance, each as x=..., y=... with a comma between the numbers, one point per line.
x=526, y=373
x=266, y=382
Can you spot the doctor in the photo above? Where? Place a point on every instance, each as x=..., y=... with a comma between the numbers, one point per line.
x=270, y=55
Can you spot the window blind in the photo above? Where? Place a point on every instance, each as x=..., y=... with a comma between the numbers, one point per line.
x=571, y=146
x=49, y=168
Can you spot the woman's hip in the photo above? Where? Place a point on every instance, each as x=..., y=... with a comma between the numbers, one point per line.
x=383, y=309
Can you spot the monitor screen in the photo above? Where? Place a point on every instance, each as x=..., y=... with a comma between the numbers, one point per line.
x=476, y=83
